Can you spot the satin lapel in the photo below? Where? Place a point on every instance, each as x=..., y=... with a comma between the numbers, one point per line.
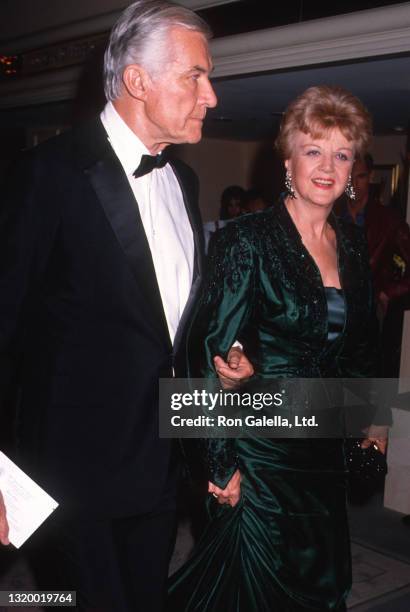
x=111, y=186
x=189, y=190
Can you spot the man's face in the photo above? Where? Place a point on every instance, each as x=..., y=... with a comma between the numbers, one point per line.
x=178, y=97
x=361, y=180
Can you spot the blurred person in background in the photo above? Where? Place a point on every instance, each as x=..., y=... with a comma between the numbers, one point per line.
x=255, y=201
x=232, y=206
x=388, y=240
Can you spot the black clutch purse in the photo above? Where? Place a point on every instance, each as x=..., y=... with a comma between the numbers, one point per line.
x=367, y=466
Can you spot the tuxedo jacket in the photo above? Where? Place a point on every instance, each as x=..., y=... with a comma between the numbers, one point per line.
x=82, y=324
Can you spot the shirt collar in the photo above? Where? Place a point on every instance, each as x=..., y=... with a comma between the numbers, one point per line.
x=127, y=146
x=360, y=217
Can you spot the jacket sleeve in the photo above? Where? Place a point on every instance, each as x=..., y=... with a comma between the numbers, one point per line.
x=26, y=229
x=223, y=311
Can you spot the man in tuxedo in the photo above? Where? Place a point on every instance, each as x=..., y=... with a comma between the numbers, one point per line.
x=100, y=262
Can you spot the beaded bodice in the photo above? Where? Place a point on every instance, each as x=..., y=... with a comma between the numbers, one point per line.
x=263, y=285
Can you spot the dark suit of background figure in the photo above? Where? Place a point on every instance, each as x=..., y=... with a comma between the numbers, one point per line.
x=82, y=320
x=388, y=235
x=388, y=239
x=389, y=245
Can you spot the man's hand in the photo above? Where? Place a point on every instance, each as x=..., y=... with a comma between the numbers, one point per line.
x=236, y=370
x=378, y=435
x=4, y=526
x=232, y=492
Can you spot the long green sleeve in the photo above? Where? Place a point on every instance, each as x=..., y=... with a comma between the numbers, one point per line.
x=223, y=311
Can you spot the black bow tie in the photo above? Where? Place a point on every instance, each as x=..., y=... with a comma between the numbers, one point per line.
x=149, y=162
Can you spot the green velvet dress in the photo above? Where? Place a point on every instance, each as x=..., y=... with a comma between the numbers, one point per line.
x=285, y=546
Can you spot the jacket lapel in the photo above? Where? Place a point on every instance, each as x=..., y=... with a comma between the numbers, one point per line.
x=188, y=183
x=111, y=186
x=189, y=188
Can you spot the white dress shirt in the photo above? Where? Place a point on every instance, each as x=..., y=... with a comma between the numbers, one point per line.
x=165, y=220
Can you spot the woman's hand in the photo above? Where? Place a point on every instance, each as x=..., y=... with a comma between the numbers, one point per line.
x=231, y=494
x=377, y=435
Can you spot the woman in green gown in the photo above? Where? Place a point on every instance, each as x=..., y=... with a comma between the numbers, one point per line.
x=293, y=285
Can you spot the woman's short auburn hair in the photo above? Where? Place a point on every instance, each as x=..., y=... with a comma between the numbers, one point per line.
x=320, y=109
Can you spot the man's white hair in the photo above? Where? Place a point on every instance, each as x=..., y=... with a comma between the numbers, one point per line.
x=140, y=37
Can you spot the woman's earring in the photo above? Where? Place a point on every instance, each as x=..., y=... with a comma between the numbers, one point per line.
x=349, y=189
x=289, y=187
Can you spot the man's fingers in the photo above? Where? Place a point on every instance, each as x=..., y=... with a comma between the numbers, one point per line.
x=234, y=358
x=228, y=374
x=234, y=370
x=233, y=363
x=219, y=362
x=225, y=367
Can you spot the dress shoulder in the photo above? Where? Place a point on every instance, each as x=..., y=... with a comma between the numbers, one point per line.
x=249, y=230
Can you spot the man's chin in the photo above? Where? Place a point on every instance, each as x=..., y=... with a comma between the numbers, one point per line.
x=191, y=137
x=194, y=136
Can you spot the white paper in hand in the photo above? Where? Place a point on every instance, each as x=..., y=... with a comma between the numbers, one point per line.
x=27, y=504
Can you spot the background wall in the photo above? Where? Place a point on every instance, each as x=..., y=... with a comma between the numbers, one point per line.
x=218, y=164
x=389, y=149
x=20, y=18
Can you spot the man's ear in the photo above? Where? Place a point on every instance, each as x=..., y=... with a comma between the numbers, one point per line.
x=135, y=80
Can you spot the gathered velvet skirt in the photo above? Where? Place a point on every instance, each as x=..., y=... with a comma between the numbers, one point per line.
x=285, y=546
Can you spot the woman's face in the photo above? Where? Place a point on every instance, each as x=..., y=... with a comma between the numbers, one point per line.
x=320, y=167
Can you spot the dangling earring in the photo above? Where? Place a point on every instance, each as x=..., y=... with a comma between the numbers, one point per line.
x=349, y=189
x=289, y=187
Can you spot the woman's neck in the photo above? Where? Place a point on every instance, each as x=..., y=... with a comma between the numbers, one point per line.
x=311, y=221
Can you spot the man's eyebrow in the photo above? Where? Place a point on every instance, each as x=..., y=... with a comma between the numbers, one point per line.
x=201, y=69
